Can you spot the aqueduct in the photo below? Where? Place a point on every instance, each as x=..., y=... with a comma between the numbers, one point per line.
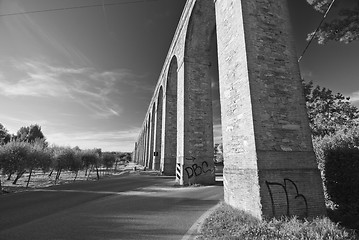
x=269, y=163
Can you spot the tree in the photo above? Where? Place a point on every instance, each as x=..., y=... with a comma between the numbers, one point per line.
x=0, y=169
x=4, y=135
x=108, y=160
x=30, y=134
x=76, y=164
x=15, y=157
x=344, y=28
x=22, y=134
x=40, y=157
x=64, y=158
x=91, y=158
x=327, y=112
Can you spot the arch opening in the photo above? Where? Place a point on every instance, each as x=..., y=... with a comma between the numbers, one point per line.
x=158, y=131
x=169, y=133
x=195, y=146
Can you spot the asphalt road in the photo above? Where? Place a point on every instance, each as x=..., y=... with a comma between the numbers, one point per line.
x=123, y=207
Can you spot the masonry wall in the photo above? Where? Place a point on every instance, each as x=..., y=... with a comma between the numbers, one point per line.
x=270, y=167
x=195, y=123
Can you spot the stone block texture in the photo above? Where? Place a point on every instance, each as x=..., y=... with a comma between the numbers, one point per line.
x=270, y=167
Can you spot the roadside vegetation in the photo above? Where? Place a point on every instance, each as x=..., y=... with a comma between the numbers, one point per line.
x=28, y=152
x=334, y=124
x=228, y=223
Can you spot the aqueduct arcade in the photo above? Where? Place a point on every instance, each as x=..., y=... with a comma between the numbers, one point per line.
x=269, y=163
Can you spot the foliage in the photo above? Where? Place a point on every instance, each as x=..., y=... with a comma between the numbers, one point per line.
x=344, y=28
x=4, y=135
x=15, y=156
x=338, y=159
x=341, y=175
x=91, y=158
x=108, y=159
x=76, y=164
x=41, y=156
x=30, y=134
x=228, y=223
x=63, y=158
x=327, y=112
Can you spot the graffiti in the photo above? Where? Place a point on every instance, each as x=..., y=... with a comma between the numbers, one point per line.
x=285, y=186
x=196, y=170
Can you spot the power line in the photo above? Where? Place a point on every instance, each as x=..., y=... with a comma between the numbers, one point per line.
x=76, y=7
x=315, y=33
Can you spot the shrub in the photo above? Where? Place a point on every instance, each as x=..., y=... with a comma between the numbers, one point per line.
x=229, y=223
x=15, y=157
x=64, y=158
x=341, y=172
x=338, y=160
x=108, y=160
x=91, y=158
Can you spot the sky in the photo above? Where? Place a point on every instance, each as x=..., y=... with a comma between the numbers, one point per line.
x=87, y=75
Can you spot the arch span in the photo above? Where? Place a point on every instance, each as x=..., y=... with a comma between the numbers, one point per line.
x=195, y=124
x=158, y=131
x=169, y=133
x=266, y=137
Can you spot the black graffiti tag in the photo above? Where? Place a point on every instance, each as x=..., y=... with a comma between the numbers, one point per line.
x=285, y=188
x=196, y=170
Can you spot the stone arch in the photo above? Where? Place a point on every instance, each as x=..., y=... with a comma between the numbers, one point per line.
x=169, y=121
x=151, y=136
x=150, y=139
x=158, y=131
x=195, y=147
x=147, y=152
x=143, y=150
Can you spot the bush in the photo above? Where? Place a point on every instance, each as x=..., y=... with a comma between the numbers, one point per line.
x=338, y=160
x=15, y=157
x=108, y=160
x=341, y=173
x=229, y=223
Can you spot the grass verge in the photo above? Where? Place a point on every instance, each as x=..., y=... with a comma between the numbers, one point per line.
x=228, y=223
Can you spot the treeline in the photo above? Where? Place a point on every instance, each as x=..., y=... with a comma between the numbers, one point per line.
x=334, y=123
x=28, y=150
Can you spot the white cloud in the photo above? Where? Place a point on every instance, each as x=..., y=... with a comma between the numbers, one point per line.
x=25, y=26
x=95, y=90
x=107, y=141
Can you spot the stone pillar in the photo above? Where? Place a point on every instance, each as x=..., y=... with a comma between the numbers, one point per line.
x=158, y=132
x=169, y=122
x=135, y=153
x=270, y=167
x=195, y=148
x=140, y=147
x=147, y=143
x=143, y=148
x=151, y=140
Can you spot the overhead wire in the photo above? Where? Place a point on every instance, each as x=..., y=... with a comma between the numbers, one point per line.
x=316, y=31
x=105, y=16
x=76, y=7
